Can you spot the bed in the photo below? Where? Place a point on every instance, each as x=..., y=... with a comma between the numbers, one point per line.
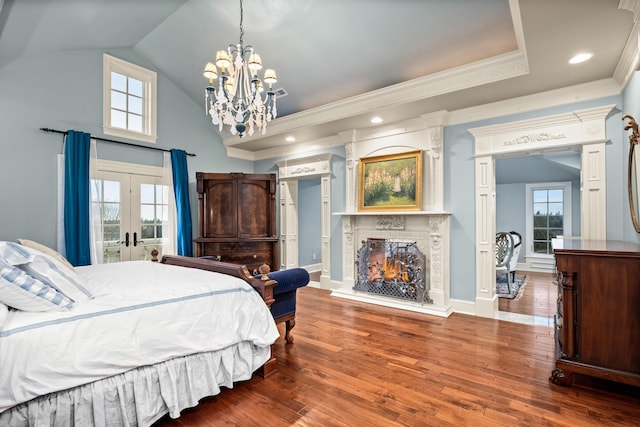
x=148, y=339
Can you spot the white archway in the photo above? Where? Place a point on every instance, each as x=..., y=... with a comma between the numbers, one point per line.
x=289, y=172
x=585, y=128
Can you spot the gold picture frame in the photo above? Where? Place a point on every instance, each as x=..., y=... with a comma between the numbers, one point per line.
x=390, y=182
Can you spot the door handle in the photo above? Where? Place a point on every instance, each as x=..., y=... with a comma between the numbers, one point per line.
x=126, y=239
x=135, y=239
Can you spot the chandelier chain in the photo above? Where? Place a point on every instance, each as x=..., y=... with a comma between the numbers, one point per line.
x=241, y=26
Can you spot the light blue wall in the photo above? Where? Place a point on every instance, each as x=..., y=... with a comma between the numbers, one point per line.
x=459, y=199
x=309, y=222
x=63, y=90
x=338, y=197
x=511, y=212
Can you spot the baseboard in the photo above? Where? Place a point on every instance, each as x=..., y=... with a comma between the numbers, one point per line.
x=311, y=268
x=463, y=306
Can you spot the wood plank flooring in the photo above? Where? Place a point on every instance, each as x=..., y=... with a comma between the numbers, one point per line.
x=539, y=298
x=355, y=364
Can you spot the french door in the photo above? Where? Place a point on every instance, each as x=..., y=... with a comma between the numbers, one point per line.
x=134, y=211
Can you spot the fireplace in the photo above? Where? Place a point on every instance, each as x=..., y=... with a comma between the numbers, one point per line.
x=392, y=268
x=416, y=277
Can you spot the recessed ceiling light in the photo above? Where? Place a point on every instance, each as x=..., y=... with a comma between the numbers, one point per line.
x=290, y=139
x=581, y=57
x=376, y=120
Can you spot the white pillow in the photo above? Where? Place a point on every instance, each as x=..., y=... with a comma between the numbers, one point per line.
x=21, y=291
x=48, y=251
x=4, y=312
x=46, y=269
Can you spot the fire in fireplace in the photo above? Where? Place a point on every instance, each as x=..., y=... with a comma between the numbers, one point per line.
x=392, y=268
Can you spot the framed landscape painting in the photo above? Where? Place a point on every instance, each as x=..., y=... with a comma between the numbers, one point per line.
x=391, y=182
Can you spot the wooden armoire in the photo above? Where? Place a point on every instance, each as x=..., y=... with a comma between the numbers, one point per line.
x=237, y=218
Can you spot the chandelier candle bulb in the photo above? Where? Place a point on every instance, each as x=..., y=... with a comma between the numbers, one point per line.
x=238, y=102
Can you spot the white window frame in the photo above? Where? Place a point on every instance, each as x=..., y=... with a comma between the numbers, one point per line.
x=149, y=104
x=567, y=202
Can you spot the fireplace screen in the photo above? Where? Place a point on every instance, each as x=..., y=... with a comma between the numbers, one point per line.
x=392, y=268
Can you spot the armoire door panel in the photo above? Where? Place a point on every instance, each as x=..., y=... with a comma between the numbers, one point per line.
x=254, y=222
x=221, y=218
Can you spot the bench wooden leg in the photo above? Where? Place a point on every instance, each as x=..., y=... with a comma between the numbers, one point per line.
x=289, y=325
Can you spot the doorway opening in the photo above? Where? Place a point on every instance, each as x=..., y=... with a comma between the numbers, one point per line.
x=535, y=199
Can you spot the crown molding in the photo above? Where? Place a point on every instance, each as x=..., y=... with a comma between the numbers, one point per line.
x=630, y=57
x=553, y=98
x=632, y=6
x=479, y=73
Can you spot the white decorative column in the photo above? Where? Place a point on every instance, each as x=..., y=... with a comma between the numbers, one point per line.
x=434, y=185
x=325, y=206
x=439, y=260
x=486, y=299
x=288, y=224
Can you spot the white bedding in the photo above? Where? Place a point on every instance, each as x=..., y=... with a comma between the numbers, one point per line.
x=142, y=313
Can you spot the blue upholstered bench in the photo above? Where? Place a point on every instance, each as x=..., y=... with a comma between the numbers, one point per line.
x=284, y=293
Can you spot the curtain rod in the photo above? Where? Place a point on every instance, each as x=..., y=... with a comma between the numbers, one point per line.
x=113, y=140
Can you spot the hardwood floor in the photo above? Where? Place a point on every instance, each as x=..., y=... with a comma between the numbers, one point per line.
x=354, y=364
x=539, y=298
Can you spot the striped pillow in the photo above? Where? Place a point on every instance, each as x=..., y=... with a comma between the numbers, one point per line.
x=21, y=291
x=46, y=269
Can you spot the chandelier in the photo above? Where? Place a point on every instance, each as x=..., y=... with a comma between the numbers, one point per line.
x=238, y=100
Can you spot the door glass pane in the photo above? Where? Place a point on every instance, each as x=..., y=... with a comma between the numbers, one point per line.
x=106, y=197
x=147, y=215
x=147, y=195
x=153, y=211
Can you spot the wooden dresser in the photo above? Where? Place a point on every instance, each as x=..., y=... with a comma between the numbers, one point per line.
x=597, y=323
x=237, y=218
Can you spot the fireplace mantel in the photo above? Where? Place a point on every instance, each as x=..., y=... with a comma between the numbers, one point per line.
x=391, y=213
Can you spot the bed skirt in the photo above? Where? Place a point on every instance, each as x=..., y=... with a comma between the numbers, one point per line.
x=141, y=396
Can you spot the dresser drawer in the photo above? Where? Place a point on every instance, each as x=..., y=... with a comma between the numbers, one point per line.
x=251, y=254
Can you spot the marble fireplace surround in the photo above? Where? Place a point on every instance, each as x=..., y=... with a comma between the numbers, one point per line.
x=428, y=227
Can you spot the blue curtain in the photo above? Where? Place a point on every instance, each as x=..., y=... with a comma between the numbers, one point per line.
x=181, y=189
x=77, y=197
